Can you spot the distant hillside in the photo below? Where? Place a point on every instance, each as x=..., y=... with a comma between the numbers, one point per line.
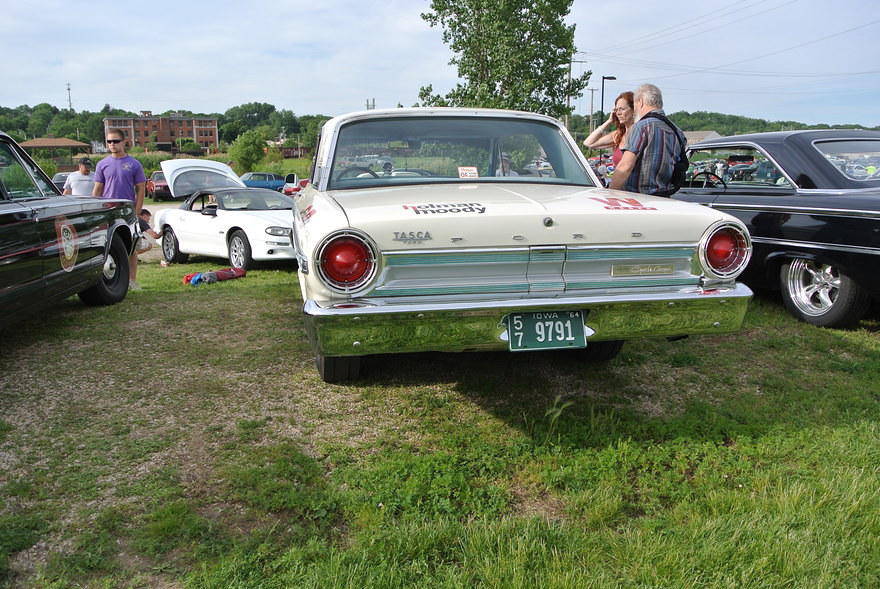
x=737, y=125
x=715, y=121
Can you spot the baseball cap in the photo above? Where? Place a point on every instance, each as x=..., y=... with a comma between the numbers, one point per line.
x=85, y=161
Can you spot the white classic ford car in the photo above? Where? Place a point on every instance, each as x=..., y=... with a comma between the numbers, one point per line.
x=475, y=229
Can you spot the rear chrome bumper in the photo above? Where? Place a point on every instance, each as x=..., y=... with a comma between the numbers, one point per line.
x=373, y=326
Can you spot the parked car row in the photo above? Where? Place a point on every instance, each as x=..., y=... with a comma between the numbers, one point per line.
x=443, y=249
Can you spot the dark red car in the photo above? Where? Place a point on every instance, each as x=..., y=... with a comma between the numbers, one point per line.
x=157, y=187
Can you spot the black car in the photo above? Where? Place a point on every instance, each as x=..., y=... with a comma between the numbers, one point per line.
x=53, y=246
x=59, y=179
x=811, y=200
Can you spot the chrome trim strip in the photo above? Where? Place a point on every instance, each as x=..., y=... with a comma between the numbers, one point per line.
x=623, y=283
x=379, y=327
x=447, y=290
x=855, y=249
x=630, y=254
x=379, y=307
x=478, y=250
x=456, y=258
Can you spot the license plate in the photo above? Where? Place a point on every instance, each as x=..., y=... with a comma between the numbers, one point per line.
x=546, y=330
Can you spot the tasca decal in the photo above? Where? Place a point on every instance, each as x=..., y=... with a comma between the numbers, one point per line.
x=622, y=204
x=68, y=243
x=412, y=237
x=446, y=209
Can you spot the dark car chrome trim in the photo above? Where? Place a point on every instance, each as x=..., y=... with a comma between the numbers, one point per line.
x=855, y=249
x=797, y=210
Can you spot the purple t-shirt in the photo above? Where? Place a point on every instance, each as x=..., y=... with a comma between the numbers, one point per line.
x=119, y=175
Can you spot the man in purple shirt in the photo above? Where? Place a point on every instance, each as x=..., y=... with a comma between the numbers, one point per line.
x=121, y=176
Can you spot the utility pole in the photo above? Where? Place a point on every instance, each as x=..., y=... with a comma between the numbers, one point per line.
x=567, y=96
x=592, y=112
x=69, y=102
x=371, y=106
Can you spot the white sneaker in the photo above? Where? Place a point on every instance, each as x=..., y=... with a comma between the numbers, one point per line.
x=133, y=285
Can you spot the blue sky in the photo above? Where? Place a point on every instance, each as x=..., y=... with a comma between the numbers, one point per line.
x=801, y=60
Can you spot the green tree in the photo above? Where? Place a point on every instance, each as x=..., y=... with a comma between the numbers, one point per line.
x=247, y=150
x=40, y=118
x=310, y=125
x=510, y=54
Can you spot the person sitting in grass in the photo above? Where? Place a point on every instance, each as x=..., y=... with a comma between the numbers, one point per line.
x=148, y=236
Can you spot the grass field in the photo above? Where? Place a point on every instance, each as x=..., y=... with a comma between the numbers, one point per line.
x=183, y=439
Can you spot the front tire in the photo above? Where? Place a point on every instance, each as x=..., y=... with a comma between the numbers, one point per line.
x=113, y=284
x=240, y=251
x=171, y=248
x=821, y=295
x=338, y=368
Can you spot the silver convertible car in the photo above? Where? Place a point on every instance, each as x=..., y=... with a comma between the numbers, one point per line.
x=429, y=230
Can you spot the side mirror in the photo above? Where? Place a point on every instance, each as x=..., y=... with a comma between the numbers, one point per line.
x=210, y=211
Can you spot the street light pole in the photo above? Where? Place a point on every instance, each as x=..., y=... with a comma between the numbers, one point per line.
x=602, y=96
x=592, y=112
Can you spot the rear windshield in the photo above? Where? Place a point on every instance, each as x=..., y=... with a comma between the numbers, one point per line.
x=855, y=159
x=192, y=180
x=410, y=150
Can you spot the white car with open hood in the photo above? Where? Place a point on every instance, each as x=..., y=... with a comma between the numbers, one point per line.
x=221, y=217
x=455, y=243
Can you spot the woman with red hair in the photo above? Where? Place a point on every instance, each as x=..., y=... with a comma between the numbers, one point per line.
x=622, y=117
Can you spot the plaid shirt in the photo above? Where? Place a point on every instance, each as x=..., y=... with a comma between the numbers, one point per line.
x=656, y=148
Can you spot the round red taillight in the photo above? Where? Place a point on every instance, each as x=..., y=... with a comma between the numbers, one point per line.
x=721, y=249
x=727, y=251
x=346, y=262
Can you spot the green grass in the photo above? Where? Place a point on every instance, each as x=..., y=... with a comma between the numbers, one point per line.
x=183, y=438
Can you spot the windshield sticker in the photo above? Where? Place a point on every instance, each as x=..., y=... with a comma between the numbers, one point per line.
x=468, y=172
x=68, y=243
x=622, y=204
x=466, y=207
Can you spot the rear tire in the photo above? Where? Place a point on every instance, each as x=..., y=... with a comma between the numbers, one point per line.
x=113, y=284
x=596, y=352
x=821, y=295
x=171, y=248
x=338, y=368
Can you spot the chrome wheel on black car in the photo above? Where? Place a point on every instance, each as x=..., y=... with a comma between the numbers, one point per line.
x=822, y=295
x=113, y=285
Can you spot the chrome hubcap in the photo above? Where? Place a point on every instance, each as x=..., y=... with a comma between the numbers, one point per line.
x=813, y=289
x=109, y=267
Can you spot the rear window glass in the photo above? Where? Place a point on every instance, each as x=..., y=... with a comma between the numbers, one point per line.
x=415, y=150
x=855, y=159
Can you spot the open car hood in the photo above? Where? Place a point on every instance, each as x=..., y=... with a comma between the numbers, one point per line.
x=185, y=176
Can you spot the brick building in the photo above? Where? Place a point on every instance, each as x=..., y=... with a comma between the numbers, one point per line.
x=139, y=131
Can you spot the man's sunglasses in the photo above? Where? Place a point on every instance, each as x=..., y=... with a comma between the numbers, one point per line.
x=114, y=141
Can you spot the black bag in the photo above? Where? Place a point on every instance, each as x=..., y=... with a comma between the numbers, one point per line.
x=679, y=171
